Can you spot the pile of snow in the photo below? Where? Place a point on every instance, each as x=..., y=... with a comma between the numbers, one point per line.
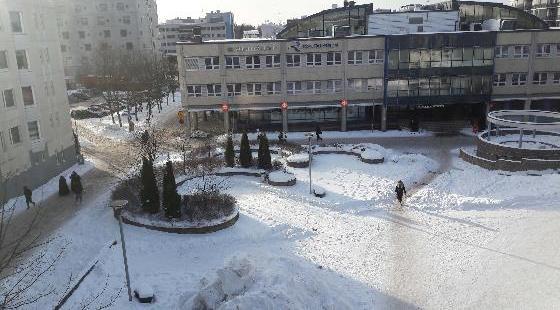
x=318, y=191
x=298, y=158
x=144, y=290
x=370, y=154
x=267, y=283
x=281, y=177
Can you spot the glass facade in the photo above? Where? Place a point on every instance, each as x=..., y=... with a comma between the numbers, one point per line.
x=322, y=24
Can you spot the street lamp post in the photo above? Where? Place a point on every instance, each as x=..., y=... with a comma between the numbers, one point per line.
x=117, y=206
x=309, y=136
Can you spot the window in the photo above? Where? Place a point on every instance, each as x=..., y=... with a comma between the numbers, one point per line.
x=191, y=64
x=27, y=93
x=106, y=33
x=355, y=58
x=82, y=34
x=100, y=20
x=87, y=47
x=21, y=57
x=129, y=46
x=273, y=61
x=499, y=79
x=273, y=88
x=519, y=79
x=539, y=78
x=334, y=58
x=3, y=60
x=502, y=51
x=356, y=84
x=33, y=129
x=314, y=59
x=14, y=135
x=233, y=62
x=252, y=62
x=376, y=57
x=84, y=21
x=293, y=60
x=212, y=63
x=375, y=84
x=313, y=87
x=556, y=78
x=3, y=142
x=194, y=91
x=543, y=50
x=521, y=51
x=16, y=22
x=254, y=89
x=63, y=48
x=415, y=20
x=233, y=90
x=124, y=33
x=120, y=6
x=557, y=49
x=103, y=7
x=8, y=96
x=214, y=90
x=334, y=86
x=294, y=88
x=126, y=20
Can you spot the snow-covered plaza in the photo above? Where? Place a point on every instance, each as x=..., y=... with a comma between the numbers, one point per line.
x=465, y=238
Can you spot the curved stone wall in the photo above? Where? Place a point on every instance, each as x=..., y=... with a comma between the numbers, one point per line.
x=494, y=151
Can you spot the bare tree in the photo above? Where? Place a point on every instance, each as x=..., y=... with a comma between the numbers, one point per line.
x=110, y=79
x=25, y=258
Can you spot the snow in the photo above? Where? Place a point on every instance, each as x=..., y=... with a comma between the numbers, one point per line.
x=268, y=282
x=281, y=177
x=104, y=126
x=318, y=190
x=470, y=238
x=45, y=191
x=298, y=158
x=226, y=170
x=144, y=290
x=371, y=155
x=300, y=136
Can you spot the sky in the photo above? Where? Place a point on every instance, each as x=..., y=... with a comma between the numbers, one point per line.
x=256, y=12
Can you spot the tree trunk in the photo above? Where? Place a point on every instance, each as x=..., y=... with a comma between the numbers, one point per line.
x=173, y=96
x=136, y=112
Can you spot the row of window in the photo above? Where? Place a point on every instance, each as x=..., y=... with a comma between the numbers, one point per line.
x=15, y=138
x=21, y=60
x=523, y=51
x=292, y=88
x=106, y=34
x=292, y=60
x=519, y=79
x=439, y=86
x=8, y=97
x=440, y=58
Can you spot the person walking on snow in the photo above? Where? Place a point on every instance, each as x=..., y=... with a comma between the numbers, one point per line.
x=76, y=186
x=401, y=191
x=318, y=133
x=28, y=196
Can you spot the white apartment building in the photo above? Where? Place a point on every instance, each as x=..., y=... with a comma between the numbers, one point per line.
x=84, y=26
x=270, y=30
x=214, y=26
x=36, y=140
x=385, y=23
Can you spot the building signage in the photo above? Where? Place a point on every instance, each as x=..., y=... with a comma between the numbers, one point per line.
x=298, y=46
x=255, y=48
x=425, y=107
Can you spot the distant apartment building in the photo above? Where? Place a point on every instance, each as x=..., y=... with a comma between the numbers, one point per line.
x=85, y=26
x=214, y=26
x=251, y=34
x=36, y=141
x=270, y=30
x=547, y=10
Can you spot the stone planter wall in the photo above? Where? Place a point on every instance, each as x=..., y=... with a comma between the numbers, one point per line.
x=304, y=164
x=372, y=161
x=289, y=183
x=510, y=165
x=494, y=151
x=184, y=230
x=341, y=152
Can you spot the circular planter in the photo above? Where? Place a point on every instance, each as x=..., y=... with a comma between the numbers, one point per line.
x=371, y=157
x=165, y=226
x=280, y=178
x=298, y=161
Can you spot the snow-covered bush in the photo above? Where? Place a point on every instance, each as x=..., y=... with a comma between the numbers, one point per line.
x=208, y=205
x=300, y=160
x=281, y=178
x=318, y=191
x=199, y=134
x=372, y=156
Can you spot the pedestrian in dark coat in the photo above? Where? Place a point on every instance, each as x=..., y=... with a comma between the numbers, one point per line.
x=400, y=190
x=28, y=196
x=318, y=133
x=76, y=186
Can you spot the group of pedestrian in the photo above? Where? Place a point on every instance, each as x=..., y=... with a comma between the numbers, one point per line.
x=75, y=186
